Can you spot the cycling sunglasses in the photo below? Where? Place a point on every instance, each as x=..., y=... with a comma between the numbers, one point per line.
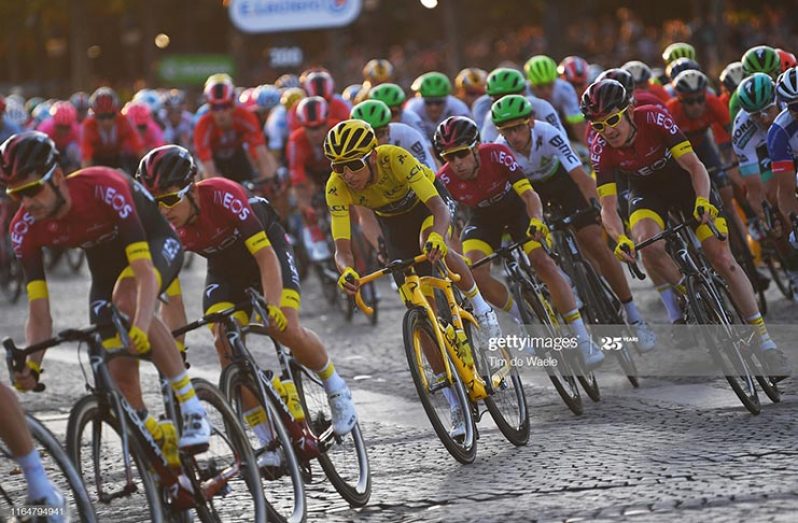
x=764, y=111
x=221, y=107
x=611, y=121
x=456, y=154
x=352, y=165
x=30, y=190
x=694, y=100
x=173, y=198
x=515, y=127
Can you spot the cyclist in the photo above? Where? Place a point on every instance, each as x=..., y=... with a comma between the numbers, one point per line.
x=434, y=101
x=758, y=59
x=133, y=256
x=787, y=60
x=107, y=138
x=469, y=84
x=394, y=97
x=574, y=70
x=504, y=82
x=277, y=122
x=639, y=96
x=646, y=145
x=245, y=246
x=63, y=129
x=15, y=434
x=320, y=83
x=7, y=126
x=730, y=78
x=541, y=71
x=177, y=119
x=140, y=116
x=410, y=210
x=376, y=72
x=80, y=101
x=546, y=159
x=222, y=133
x=677, y=50
x=487, y=179
x=783, y=148
x=644, y=80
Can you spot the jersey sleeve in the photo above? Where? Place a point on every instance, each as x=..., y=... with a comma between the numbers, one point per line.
x=664, y=125
x=508, y=166
x=417, y=145
x=202, y=138
x=779, y=150
x=338, y=201
x=743, y=147
x=235, y=209
x=558, y=144
x=603, y=166
x=29, y=254
x=570, y=104
x=295, y=152
x=546, y=112
x=405, y=167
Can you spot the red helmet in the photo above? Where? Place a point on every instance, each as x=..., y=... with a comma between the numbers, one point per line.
x=603, y=97
x=312, y=111
x=320, y=83
x=166, y=166
x=247, y=99
x=138, y=113
x=219, y=92
x=573, y=69
x=788, y=60
x=64, y=114
x=455, y=132
x=104, y=100
x=26, y=153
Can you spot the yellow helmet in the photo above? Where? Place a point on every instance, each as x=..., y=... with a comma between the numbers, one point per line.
x=378, y=71
x=471, y=80
x=219, y=78
x=349, y=140
x=291, y=96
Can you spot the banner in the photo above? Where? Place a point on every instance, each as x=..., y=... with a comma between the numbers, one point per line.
x=193, y=69
x=272, y=16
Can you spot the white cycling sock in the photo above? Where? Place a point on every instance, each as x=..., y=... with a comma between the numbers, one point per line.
x=479, y=303
x=632, y=314
x=38, y=485
x=670, y=301
x=184, y=390
x=330, y=379
x=574, y=319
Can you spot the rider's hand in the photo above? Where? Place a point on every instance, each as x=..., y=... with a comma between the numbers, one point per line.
x=277, y=317
x=625, y=250
x=139, y=341
x=435, y=247
x=28, y=378
x=348, y=281
x=538, y=230
x=704, y=211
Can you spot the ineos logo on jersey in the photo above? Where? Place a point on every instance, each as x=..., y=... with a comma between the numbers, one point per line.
x=662, y=120
x=229, y=201
x=19, y=230
x=501, y=157
x=116, y=200
x=656, y=166
x=445, y=178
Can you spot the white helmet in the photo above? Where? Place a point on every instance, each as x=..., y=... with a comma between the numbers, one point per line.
x=641, y=73
x=690, y=81
x=787, y=85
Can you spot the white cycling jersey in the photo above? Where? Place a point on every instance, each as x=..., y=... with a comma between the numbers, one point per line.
x=566, y=102
x=413, y=120
x=414, y=142
x=750, y=144
x=181, y=133
x=454, y=107
x=276, y=128
x=550, y=149
x=543, y=111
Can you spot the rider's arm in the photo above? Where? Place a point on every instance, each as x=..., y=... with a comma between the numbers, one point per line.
x=267, y=165
x=338, y=203
x=609, y=214
x=531, y=199
x=585, y=183
x=607, y=188
x=39, y=326
x=202, y=146
x=270, y=275
x=698, y=173
x=369, y=225
x=147, y=285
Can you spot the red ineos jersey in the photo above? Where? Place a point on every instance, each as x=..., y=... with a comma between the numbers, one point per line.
x=225, y=219
x=657, y=144
x=498, y=170
x=212, y=142
x=102, y=209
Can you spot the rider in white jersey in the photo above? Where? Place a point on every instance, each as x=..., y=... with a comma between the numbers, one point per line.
x=542, y=110
x=550, y=150
x=545, y=83
x=435, y=102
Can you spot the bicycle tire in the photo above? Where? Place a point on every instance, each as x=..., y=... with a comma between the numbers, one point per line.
x=235, y=377
x=771, y=256
x=354, y=486
x=746, y=261
x=87, y=410
x=416, y=320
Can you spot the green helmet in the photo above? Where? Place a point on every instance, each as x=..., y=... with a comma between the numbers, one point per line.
x=756, y=92
x=510, y=107
x=374, y=112
x=432, y=85
x=678, y=50
x=391, y=94
x=541, y=69
x=761, y=59
x=504, y=81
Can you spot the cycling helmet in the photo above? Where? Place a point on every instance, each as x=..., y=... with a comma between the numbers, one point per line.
x=641, y=73
x=32, y=103
x=621, y=76
x=267, y=96
x=219, y=91
x=786, y=59
x=378, y=71
x=432, y=85
x=150, y=97
x=391, y=94
x=679, y=65
x=303, y=76
x=593, y=71
x=471, y=80
x=351, y=92
x=104, y=100
x=64, y=114
x=573, y=69
x=320, y=83
x=349, y=140
x=138, y=113
x=761, y=59
x=246, y=99
x=678, y=50
x=540, y=70
x=42, y=111
x=166, y=166
x=218, y=78
x=690, y=82
x=787, y=86
x=374, y=112
x=174, y=99
x=312, y=111
x=80, y=101
x=291, y=96
x=25, y=154
x=504, y=81
x=511, y=107
x=455, y=133
x=756, y=92
x=732, y=75
x=602, y=98
x=288, y=81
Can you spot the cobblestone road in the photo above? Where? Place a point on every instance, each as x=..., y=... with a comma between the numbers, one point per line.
x=673, y=449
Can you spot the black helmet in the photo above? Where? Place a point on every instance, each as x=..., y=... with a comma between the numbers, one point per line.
x=603, y=97
x=24, y=154
x=166, y=166
x=621, y=76
x=455, y=132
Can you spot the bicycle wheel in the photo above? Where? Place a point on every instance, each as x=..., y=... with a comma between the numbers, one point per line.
x=433, y=393
x=746, y=260
x=775, y=263
x=98, y=456
x=284, y=488
x=612, y=306
x=725, y=352
x=345, y=462
x=507, y=401
x=229, y=450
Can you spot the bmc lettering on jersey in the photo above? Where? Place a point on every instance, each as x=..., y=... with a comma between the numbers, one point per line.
x=230, y=202
x=662, y=120
x=505, y=159
x=114, y=199
x=563, y=147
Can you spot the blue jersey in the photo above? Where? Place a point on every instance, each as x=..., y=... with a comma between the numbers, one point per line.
x=783, y=143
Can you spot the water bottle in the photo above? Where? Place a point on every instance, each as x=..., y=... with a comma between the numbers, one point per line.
x=292, y=400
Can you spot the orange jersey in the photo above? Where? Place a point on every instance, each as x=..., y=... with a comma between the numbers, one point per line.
x=716, y=116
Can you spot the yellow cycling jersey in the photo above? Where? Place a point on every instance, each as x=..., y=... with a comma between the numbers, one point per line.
x=400, y=182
